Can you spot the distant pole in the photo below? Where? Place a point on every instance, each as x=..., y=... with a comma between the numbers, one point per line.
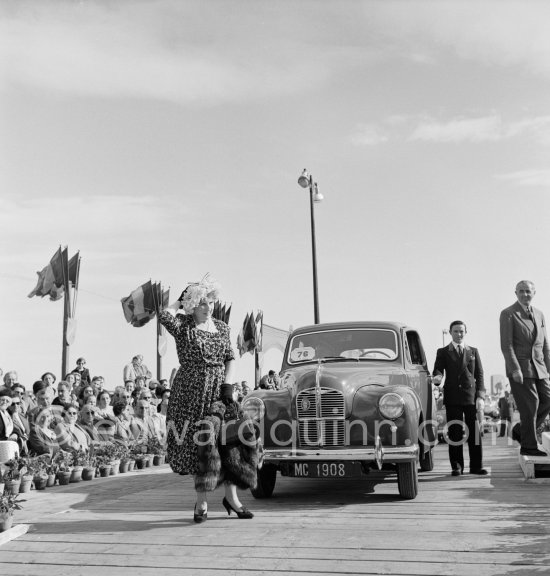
x=443, y=332
x=257, y=375
x=65, y=345
x=159, y=355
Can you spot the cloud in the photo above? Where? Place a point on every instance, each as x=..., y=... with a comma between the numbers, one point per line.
x=180, y=52
x=460, y=130
x=527, y=178
x=368, y=135
x=500, y=33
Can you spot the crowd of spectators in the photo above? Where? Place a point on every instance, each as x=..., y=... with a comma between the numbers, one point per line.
x=78, y=411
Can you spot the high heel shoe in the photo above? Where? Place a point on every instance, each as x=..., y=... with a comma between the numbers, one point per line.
x=243, y=513
x=200, y=516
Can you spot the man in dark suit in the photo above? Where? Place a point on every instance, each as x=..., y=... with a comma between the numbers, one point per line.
x=463, y=395
x=524, y=344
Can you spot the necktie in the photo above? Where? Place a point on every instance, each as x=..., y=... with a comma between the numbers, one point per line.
x=530, y=314
x=459, y=350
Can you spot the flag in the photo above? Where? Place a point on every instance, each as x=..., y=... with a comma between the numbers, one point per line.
x=50, y=279
x=249, y=333
x=139, y=307
x=74, y=265
x=227, y=314
x=258, y=328
x=240, y=338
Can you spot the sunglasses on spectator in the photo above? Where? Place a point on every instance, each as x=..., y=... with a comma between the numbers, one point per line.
x=72, y=413
x=19, y=392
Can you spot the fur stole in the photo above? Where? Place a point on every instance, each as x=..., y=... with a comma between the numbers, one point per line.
x=226, y=461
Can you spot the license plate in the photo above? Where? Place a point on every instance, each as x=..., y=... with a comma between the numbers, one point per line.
x=325, y=469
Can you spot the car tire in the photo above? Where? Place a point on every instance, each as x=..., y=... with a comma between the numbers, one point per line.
x=407, y=480
x=267, y=476
x=427, y=461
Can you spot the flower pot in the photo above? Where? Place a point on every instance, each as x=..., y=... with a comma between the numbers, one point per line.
x=104, y=470
x=124, y=466
x=12, y=486
x=115, y=467
x=6, y=521
x=88, y=473
x=76, y=473
x=64, y=477
x=25, y=485
x=131, y=464
x=40, y=482
x=51, y=480
x=148, y=460
x=158, y=459
x=140, y=464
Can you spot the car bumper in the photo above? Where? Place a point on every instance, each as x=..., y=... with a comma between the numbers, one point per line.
x=388, y=455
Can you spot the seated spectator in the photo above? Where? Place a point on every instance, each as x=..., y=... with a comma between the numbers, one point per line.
x=245, y=388
x=43, y=395
x=123, y=432
x=162, y=407
x=103, y=404
x=85, y=392
x=6, y=423
x=86, y=420
x=98, y=384
x=238, y=392
x=90, y=401
x=136, y=368
x=129, y=385
x=48, y=378
x=139, y=385
x=164, y=383
x=19, y=390
x=64, y=395
x=10, y=378
x=20, y=424
x=42, y=420
x=82, y=371
x=270, y=381
x=70, y=435
x=142, y=425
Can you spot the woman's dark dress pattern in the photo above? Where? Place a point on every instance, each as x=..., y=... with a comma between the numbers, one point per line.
x=202, y=356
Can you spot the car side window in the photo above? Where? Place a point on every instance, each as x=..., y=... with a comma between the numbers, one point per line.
x=415, y=352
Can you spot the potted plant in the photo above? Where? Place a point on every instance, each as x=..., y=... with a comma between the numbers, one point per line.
x=64, y=461
x=80, y=459
x=158, y=451
x=37, y=467
x=14, y=469
x=26, y=475
x=9, y=503
x=139, y=454
x=124, y=453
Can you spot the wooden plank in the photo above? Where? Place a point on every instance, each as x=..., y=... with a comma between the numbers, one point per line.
x=14, y=532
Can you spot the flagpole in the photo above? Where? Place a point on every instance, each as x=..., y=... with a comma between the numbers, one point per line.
x=159, y=357
x=257, y=375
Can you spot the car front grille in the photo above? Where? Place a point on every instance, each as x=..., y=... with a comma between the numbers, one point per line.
x=321, y=417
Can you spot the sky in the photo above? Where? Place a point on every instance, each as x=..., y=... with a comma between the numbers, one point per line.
x=163, y=139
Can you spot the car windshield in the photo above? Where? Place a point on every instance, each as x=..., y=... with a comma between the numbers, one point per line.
x=355, y=344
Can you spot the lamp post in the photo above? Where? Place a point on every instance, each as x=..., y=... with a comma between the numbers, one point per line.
x=306, y=181
x=443, y=333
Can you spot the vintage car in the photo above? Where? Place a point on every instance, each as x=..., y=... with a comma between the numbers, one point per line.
x=354, y=396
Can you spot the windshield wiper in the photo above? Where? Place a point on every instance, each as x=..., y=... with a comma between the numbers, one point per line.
x=337, y=358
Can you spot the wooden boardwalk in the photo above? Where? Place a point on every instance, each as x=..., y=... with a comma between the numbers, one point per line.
x=141, y=524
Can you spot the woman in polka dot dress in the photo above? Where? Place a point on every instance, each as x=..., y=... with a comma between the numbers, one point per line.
x=206, y=362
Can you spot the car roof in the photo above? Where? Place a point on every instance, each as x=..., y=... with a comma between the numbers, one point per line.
x=397, y=326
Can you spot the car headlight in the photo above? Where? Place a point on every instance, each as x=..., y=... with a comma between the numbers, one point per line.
x=391, y=405
x=254, y=408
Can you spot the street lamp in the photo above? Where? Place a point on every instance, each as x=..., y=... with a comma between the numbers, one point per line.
x=306, y=181
x=443, y=333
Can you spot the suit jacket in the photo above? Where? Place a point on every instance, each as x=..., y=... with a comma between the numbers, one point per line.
x=3, y=431
x=463, y=376
x=524, y=344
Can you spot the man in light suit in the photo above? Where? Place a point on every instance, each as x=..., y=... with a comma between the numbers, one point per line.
x=524, y=343
x=463, y=395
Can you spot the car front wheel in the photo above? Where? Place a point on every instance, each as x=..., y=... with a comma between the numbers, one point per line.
x=407, y=480
x=267, y=476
